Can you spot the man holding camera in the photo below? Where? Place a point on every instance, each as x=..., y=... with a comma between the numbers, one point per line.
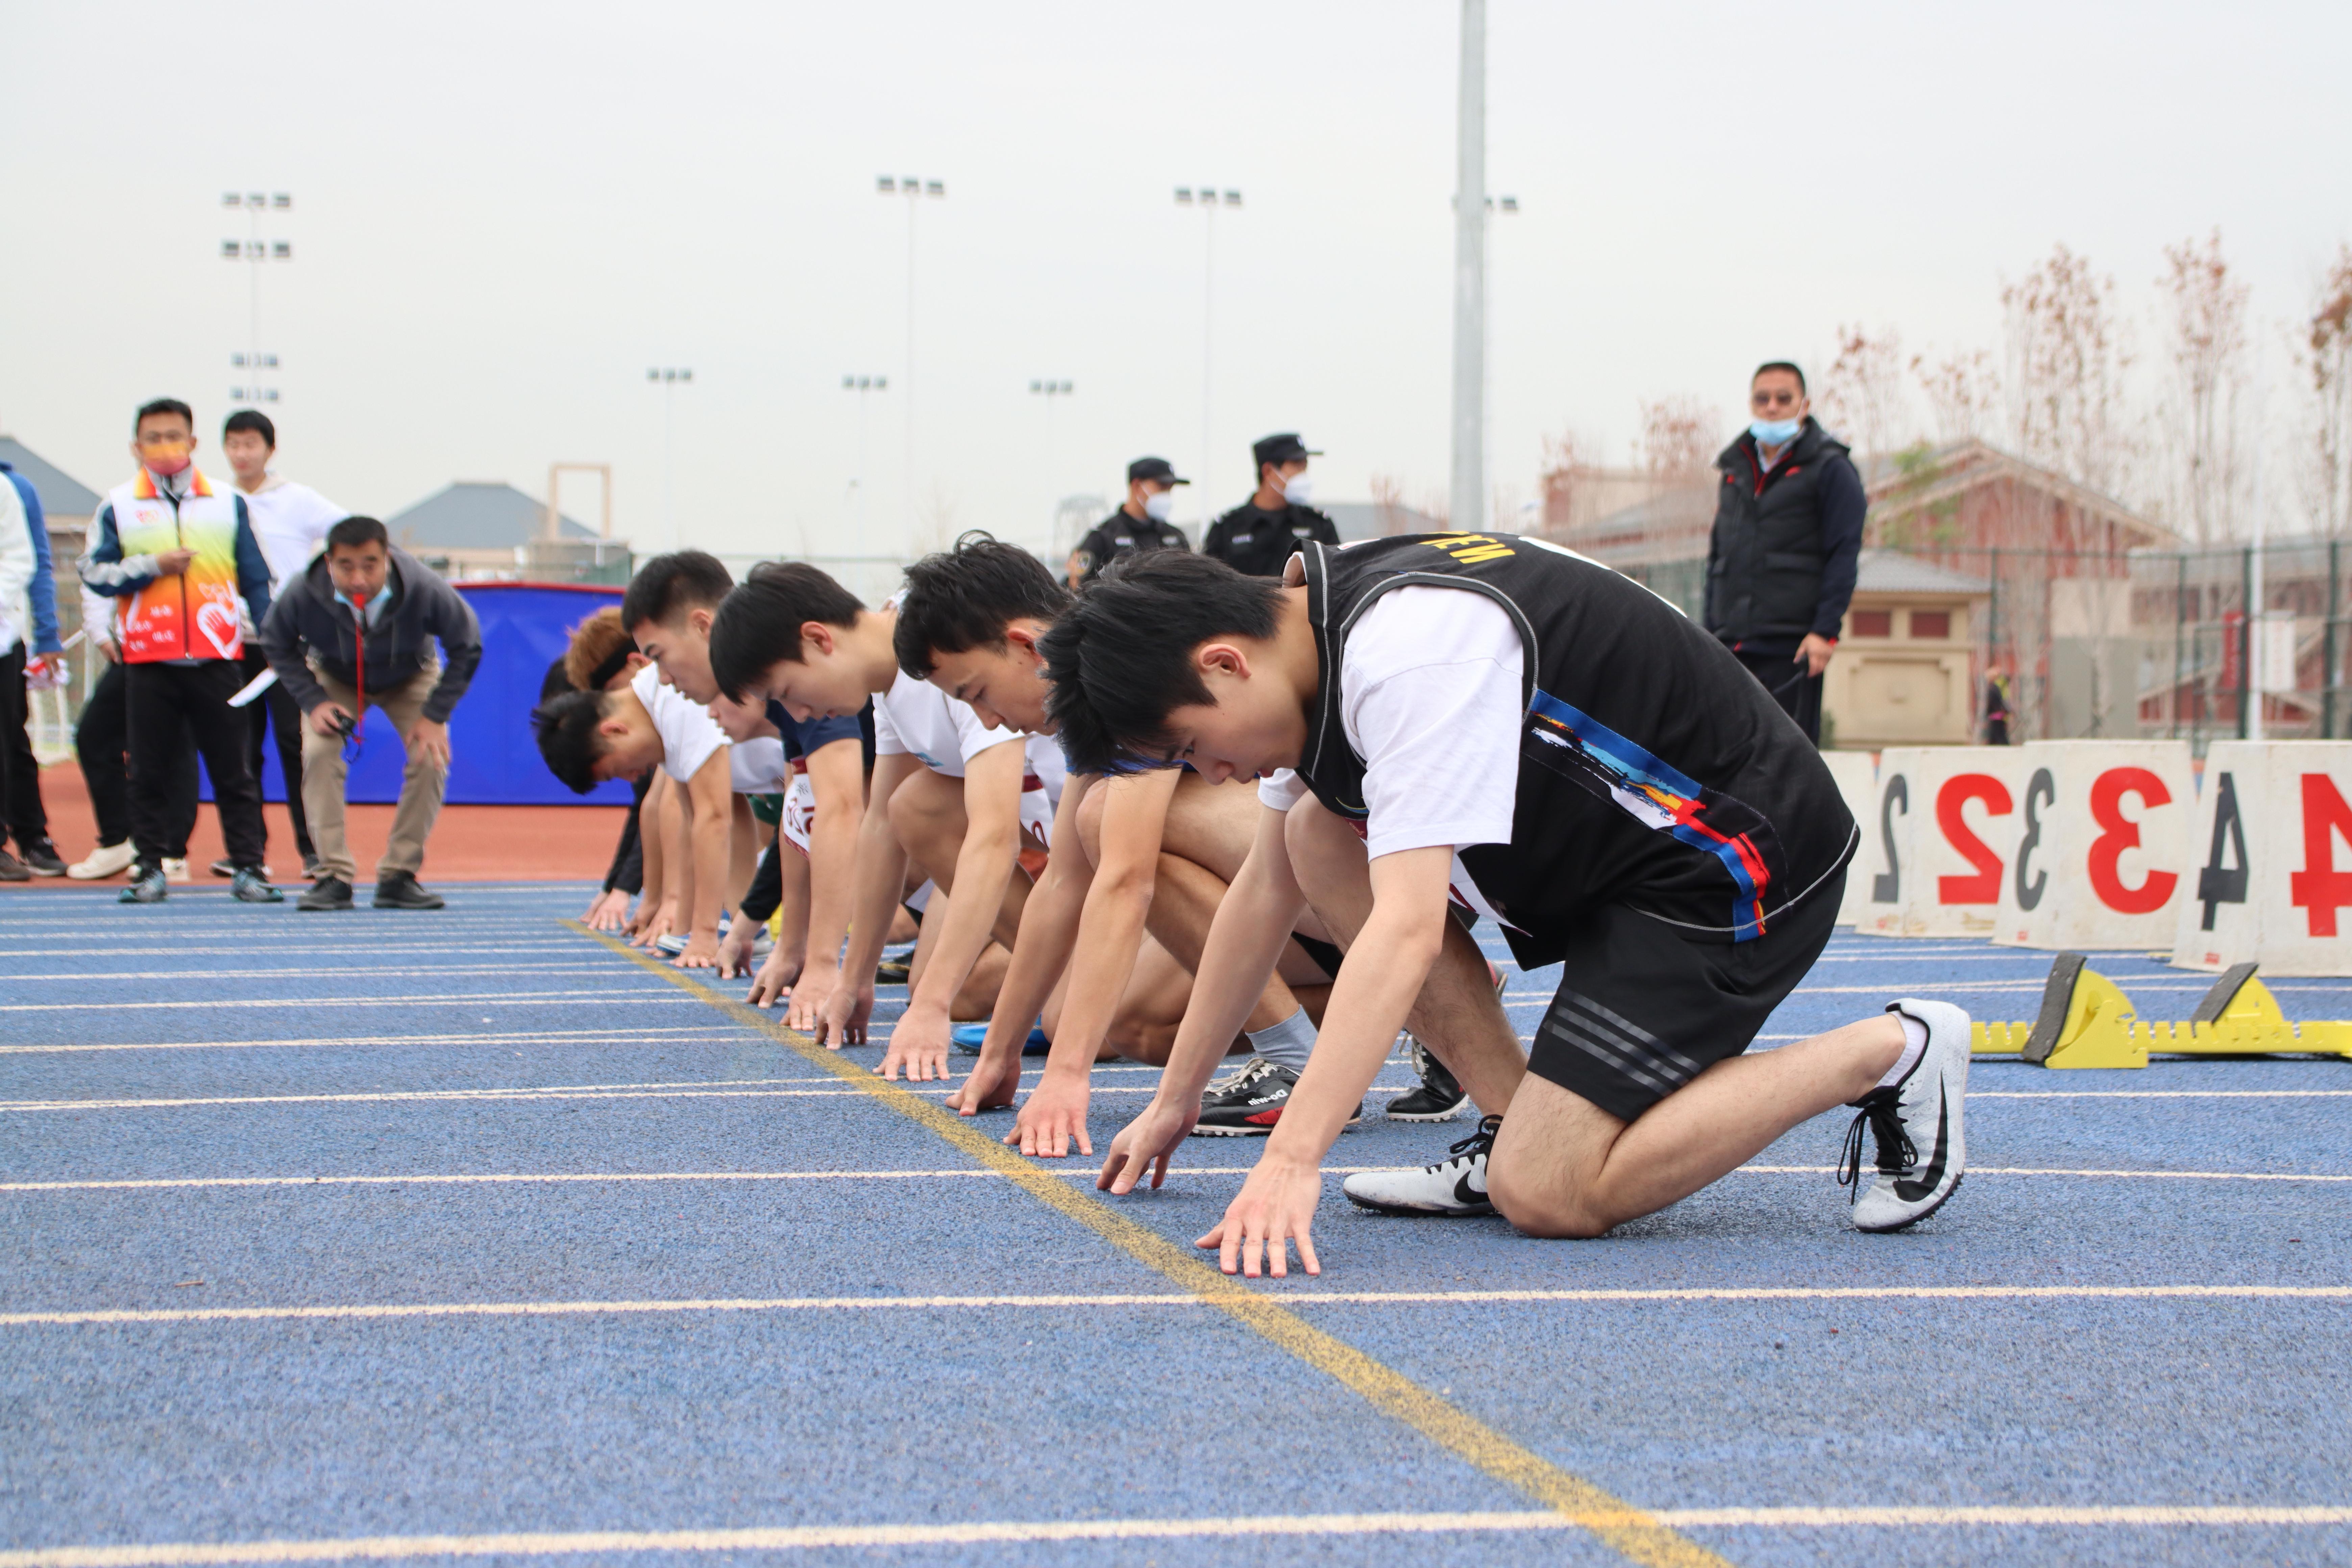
x=358, y=627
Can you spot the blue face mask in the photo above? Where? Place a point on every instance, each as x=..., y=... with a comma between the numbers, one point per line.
x=1776, y=432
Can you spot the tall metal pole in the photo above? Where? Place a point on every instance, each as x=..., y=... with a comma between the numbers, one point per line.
x=1467, y=494
x=1208, y=300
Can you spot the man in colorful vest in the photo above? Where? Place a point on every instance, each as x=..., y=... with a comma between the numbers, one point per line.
x=176, y=552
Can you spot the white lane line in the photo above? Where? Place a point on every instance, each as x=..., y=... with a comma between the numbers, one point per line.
x=685, y=1091
x=815, y=1538
x=683, y=1036
x=2160, y=1094
x=503, y=999
x=1298, y=1298
x=1080, y=1166
x=274, y=948
x=312, y=971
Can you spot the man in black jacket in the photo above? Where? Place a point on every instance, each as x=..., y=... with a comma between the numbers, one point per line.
x=1787, y=527
x=1258, y=537
x=358, y=627
x=1140, y=523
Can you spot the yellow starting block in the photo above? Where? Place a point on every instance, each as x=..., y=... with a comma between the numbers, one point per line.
x=2086, y=1021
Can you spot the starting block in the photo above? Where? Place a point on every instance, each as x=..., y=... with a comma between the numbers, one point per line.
x=2086, y=1021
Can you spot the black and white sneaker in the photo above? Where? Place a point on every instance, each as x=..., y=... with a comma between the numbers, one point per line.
x=1438, y=1099
x=1255, y=1104
x=1916, y=1126
x=1452, y=1188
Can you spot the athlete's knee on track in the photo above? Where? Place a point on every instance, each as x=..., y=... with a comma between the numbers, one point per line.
x=1543, y=1208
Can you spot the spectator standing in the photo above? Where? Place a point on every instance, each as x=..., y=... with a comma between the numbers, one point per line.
x=1787, y=528
x=1258, y=537
x=357, y=626
x=290, y=522
x=1140, y=523
x=178, y=552
x=28, y=630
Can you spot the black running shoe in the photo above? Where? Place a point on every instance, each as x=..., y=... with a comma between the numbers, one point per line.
x=332, y=894
x=41, y=858
x=13, y=869
x=893, y=971
x=147, y=887
x=1439, y=1098
x=1252, y=1107
x=402, y=890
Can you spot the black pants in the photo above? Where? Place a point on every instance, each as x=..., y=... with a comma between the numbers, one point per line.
x=101, y=740
x=161, y=696
x=1799, y=694
x=20, y=771
x=276, y=710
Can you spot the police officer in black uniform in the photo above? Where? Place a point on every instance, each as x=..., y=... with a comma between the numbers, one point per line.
x=1258, y=537
x=1141, y=525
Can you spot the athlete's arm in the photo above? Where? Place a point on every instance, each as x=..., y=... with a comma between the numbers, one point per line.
x=1376, y=987
x=984, y=866
x=1246, y=941
x=657, y=893
x=709, y=799
x=878, y=878
x=836, y=773
x=1049, y=926
x=1110, y=934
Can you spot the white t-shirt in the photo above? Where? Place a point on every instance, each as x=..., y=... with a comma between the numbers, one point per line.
x=1430, y=699
x=916, y=717
x=688, y=733
x=289, y=520
x=757, y=766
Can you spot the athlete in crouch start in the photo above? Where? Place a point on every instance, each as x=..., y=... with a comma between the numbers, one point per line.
x=1491, y=720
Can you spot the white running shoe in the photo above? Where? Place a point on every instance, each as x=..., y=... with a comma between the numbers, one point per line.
x=176, y=871
x=1917, y=1125
x=1454, y=1187
x=106, y=860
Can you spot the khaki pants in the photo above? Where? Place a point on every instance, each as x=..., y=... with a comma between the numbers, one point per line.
x=323, y=772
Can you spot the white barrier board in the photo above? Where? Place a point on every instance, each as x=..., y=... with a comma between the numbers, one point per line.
x=1856, y=776
x=2101, y=848
x=2273, y=852
x=1938, y=839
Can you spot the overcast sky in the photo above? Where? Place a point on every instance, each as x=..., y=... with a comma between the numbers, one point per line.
x=505, y=212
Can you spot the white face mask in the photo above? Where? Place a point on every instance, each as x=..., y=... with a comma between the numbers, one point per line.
x=1160, y=505
x=1299, y=489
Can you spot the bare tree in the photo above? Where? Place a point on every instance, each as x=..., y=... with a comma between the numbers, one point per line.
x=1389, y=507
x=1678, y=439
x=1963, y=393
x=2324, y=357
x=2206, y=327
x=2066, y=360
x=1862, y=396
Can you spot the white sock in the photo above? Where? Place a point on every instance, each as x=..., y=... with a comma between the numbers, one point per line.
x=1915, y=1045
x=1287, y=1043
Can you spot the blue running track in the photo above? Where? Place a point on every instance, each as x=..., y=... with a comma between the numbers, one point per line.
x=462, y=1236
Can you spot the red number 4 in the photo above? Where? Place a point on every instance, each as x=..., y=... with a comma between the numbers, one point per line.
x=2319, y=889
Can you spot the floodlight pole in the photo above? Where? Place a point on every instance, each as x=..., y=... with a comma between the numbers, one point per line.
x=1466, y=495
x=253, y=250
x=669, y=376
x=914, y=188
x=1207, y=201
x=862, y=386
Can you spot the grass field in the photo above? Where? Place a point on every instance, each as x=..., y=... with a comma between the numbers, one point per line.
x=461, y=1235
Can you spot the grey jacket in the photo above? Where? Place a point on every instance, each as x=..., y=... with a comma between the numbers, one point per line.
x=308, y=623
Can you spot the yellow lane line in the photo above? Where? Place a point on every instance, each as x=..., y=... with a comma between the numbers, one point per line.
x=1623, y=1528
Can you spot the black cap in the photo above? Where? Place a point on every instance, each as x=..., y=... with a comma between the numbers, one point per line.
x=1285, y=448
x=1153, y=469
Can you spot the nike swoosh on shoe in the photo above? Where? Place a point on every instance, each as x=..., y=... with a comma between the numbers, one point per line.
x=1911, y=1191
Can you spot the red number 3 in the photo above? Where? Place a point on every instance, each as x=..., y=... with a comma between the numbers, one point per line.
x=2121, y=833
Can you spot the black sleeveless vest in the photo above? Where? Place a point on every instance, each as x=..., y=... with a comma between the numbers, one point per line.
x=1655, y=771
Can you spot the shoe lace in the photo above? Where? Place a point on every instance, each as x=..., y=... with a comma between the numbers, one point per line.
x=1417, y=1054
x=1249, y=1072
x=1480, y=1142
x=1881, y=1112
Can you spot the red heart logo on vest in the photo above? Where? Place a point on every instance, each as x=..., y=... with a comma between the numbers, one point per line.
x=218, y=623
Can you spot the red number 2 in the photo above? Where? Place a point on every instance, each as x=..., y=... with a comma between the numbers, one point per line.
x=1983, y=885
x=2319, y=889
x=2121, y=833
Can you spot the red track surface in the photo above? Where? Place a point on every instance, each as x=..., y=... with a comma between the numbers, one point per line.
x=470, y=843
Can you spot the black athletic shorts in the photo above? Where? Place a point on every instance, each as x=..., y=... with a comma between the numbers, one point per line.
x=1642, y=1009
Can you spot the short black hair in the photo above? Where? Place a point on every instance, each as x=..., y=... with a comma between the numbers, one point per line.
x=354, y=532
x=252, y=419
x=758, y=627
x=569, y=739
x=1121, y=658
x=154, y=407
x=1780, y=364
x=672, y=584
x=965, y=598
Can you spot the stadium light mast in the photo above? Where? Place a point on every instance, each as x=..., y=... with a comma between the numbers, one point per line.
x=668, y=377
x=864, y=386
x=1466, y=495
x=916, y=189
x=253, y=250
x=1205, y=198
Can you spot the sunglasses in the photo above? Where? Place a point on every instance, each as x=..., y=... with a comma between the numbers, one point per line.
x=1781, y=397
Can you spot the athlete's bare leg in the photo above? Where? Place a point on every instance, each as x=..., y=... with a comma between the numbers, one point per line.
x=1564, y=1167
x=1144, y=1027
x=927, y=814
